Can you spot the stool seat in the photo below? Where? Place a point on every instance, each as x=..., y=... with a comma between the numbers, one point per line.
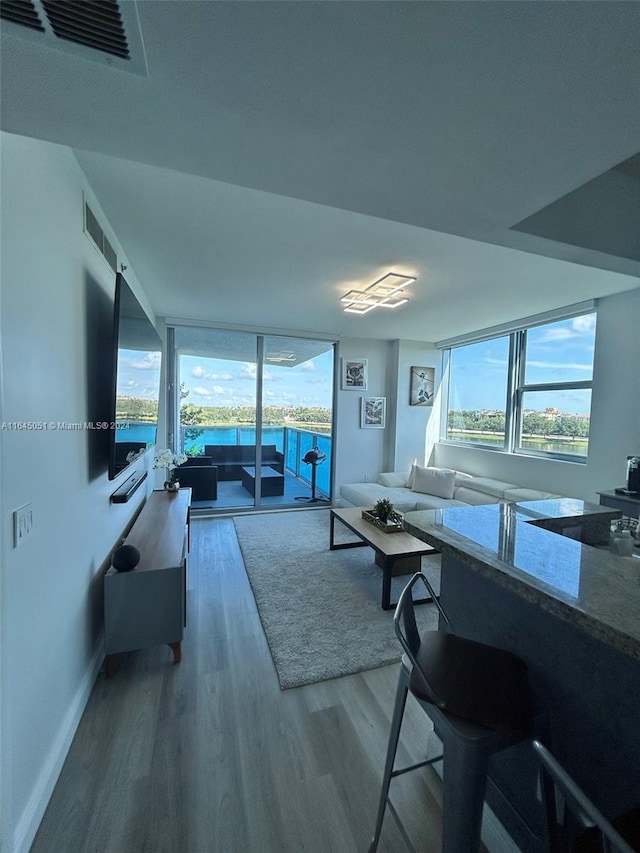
x=480, y=702
x=480, y=683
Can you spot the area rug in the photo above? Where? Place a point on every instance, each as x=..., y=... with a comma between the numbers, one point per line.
x=320, y=609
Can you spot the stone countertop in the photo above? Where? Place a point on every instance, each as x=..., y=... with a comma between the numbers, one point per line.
x=586, y=586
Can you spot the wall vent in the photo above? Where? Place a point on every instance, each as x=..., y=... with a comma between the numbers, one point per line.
x=93, y=24
x=105, y=31
x=97, y=236
x=21, y=12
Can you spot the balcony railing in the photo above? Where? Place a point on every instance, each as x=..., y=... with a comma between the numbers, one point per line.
x=293, y=442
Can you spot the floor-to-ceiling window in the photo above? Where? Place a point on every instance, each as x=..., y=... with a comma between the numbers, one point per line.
x=255, y=406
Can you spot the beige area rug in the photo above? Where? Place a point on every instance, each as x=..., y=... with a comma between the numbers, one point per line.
x=320, y=609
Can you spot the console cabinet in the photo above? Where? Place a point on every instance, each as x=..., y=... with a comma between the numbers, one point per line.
x=147, y=606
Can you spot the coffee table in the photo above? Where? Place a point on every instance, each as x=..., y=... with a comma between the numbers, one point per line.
x=396, y=553
x=271, y=481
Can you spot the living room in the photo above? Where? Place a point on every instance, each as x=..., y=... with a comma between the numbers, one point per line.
x=57, y=296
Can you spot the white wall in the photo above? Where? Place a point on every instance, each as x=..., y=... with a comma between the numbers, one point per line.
x=54, y=286
x=615, y=417
x=410, y=432
x=360, y=454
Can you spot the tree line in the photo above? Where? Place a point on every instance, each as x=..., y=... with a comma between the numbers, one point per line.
x=533, y=423
x=192, y=415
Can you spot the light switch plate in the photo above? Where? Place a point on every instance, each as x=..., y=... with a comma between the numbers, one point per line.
x=22, y=524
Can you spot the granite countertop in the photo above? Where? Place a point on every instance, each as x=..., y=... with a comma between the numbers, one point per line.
x=587, y=586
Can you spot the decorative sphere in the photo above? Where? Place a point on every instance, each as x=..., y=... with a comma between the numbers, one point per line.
x=126, y=558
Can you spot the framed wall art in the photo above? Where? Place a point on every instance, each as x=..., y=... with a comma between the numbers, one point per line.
x=373, y=412
x=354, y=374
x=422, y=386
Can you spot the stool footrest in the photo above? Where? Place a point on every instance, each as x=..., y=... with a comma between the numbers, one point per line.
x=404, y=770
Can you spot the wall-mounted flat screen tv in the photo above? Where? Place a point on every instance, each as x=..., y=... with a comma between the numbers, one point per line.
x=135, y=381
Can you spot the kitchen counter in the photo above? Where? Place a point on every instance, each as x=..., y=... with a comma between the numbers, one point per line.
x=509, y=543
x=571, y=611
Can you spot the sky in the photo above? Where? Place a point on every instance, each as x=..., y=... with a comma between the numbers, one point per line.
x=561, y=351
x=556, y=352
x=138, y=374
x=219, y=382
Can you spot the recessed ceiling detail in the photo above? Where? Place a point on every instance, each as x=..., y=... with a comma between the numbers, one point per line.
x=104, y=31
x=602, y=215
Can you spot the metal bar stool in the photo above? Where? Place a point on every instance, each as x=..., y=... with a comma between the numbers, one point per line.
x=583, y=829
x=480, y=702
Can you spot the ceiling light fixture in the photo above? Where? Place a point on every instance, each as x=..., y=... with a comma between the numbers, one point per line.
x=386, y=292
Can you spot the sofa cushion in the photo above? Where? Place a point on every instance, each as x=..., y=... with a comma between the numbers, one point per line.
x=394, y=479
x=434, y=481
x=433, y=502
x=470, y=496
x=497, y=488
x=516, y=495
x=366, y=495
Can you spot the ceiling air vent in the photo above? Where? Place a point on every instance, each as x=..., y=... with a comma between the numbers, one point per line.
x=94, y=231
x=94, y=24
x=21, y=12
x=104, y=31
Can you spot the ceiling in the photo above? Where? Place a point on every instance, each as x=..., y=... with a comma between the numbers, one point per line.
x=263, y=158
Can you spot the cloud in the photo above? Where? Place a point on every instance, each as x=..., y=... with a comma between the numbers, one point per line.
x=150, y=361
x=308, y=366
x=201, y=392
x=579, y=327
x=199, y=372
x=250, y=371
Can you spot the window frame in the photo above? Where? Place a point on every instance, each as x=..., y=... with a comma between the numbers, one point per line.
x=515, y=390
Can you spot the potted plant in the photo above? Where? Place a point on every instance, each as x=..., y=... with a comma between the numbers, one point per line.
x=383, y=509
x=384, y=516
x=169, y=460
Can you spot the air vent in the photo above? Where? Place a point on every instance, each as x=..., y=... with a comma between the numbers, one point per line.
x=93, y=230
x=21, y=12
x=93, y=24
x=104, y=31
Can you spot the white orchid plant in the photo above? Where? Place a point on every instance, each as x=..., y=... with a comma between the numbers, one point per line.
x=169, y=460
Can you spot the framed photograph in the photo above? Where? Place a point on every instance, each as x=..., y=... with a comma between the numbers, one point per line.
x=373, y=414
x=354, y=374
x=422, y=386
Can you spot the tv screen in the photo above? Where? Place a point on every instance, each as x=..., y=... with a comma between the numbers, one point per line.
x=136, y=381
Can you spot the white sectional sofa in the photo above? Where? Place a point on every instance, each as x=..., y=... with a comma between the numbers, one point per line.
x=433, y=488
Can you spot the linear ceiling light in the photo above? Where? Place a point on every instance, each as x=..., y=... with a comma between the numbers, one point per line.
x=386, y=292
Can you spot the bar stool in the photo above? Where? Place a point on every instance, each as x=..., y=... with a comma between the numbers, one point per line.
x=583, y=829
x=479, y=700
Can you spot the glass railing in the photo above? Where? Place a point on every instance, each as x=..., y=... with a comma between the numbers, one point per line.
x=293, y=442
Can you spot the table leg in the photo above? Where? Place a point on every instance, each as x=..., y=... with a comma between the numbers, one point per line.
x=387, y=573
x=337, y=547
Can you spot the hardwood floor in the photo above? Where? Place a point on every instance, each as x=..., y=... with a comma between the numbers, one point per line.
x=210, y=756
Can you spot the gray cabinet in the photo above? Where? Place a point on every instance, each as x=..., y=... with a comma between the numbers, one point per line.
x=147, y=606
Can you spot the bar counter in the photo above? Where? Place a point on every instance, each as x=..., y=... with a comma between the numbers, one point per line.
x=518, y=577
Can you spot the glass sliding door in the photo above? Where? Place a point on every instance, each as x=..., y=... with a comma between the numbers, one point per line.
x=297, y=413
x=259, y=410
x=217, y=388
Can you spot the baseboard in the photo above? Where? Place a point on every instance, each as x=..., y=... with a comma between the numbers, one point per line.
x=29, y=822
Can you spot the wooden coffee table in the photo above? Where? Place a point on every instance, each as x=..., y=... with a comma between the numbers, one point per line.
x=396, y=553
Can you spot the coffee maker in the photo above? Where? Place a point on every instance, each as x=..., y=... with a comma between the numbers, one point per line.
x=633, y=475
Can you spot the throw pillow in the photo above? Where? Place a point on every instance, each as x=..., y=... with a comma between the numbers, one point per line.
x=412, y=475
x=434, y=481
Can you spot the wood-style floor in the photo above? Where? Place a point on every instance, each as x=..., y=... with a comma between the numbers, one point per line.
x=210, y=756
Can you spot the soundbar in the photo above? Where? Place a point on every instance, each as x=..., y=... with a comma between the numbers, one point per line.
x=123, y=494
